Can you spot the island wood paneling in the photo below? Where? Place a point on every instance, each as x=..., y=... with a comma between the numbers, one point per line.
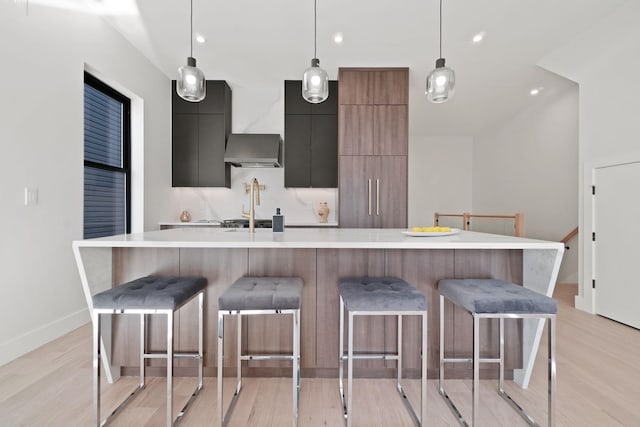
x=221, y=267
x=320, y=269
x=422, y=269
x=273, y=334
x=334, y=264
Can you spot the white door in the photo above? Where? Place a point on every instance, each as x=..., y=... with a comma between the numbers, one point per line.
x=617, y=246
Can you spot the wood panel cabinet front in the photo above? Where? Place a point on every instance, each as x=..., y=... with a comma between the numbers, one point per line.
x=380, y=130
x=368, y=86
x=390, y=130
x=356, y=191
x=356, y=87
x=391, y=86
x=356, y=130
x=390, y=197
x=373, y=191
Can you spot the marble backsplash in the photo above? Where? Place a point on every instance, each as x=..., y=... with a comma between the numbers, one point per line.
x=298, y=205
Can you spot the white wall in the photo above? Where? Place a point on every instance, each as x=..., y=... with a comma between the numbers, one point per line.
x=41, y=132
x=605, y=61
x=440, y=171
x=530, y=165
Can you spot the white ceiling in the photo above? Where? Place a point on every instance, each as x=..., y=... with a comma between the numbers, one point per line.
x=258, y=44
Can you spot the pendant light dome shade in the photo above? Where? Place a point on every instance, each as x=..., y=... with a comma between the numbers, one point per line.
x=441, y=83
x=191, y=84
x=315, y=83
x=315, y=80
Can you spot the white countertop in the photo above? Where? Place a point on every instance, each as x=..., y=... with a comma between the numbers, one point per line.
x=313, y=238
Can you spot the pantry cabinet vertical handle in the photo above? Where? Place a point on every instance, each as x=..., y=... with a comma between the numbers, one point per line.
x=377, y=196
x=369, y=196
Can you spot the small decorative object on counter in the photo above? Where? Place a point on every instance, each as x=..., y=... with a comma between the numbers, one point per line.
x=185, y=216
x=323, y=212
x=278, y=222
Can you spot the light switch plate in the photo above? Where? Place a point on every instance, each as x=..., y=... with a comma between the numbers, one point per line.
x=30, y=196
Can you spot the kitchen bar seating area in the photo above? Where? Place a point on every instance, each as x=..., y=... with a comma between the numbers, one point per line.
x=321, y=259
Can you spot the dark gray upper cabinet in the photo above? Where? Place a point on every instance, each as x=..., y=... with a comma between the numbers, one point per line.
x=294, y=103
x=310, y=139
x=199, y=138
x=329, y=105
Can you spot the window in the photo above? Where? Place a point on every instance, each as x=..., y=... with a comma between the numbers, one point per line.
x=107, y=201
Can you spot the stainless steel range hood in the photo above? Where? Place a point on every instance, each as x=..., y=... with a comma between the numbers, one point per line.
x=254, y=150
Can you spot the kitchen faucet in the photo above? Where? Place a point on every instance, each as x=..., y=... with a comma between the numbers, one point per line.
x=255, y=189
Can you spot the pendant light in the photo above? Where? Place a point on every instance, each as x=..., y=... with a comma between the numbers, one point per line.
x=315, y=81
x=441, y=82
x=191, y=84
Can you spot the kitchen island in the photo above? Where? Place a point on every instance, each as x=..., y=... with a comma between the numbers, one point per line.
x=320, y=257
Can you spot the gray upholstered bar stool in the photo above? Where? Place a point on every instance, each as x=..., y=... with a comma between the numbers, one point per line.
x=149, y=295
x=496, y=299
x=381, y=296
x=259, y=295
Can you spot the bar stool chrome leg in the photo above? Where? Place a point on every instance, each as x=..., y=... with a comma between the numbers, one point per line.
x=296, y=366
x=222, y=415
x=347, y=404
x=341, y=360
x=476, y=360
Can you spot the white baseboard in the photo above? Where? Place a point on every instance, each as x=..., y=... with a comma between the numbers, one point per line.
x=16, y=347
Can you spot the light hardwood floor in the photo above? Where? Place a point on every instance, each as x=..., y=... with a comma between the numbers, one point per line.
x=598, y=385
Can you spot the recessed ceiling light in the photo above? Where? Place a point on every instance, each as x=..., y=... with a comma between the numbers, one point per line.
x=477, y=38
x=535, y=91
x=337, y=38
x=200, y=38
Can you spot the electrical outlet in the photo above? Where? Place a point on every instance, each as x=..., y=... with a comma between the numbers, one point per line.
x=30, y=196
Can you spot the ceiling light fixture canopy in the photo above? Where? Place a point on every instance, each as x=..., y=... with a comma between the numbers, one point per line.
x=315, y=81
x=441, y=82
x=191, y=84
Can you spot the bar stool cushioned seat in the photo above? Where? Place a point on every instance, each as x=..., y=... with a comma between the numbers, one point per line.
x=144, y=296
x=374, y=296
x=495, y=296
x=496, y=299
x=160, y=293
x=262, y=293
x=257, y=296
x=380, y=294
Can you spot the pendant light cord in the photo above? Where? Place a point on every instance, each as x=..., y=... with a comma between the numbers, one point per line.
x=191, y=33
x=315, y=28
x=440, y=28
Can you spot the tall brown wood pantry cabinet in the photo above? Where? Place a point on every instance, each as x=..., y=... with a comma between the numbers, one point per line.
x=372, y=147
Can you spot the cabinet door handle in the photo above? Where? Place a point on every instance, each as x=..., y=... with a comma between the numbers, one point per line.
x=377, y=197
x=369, y=196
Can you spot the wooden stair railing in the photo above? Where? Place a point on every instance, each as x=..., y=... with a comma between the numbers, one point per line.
x=565, y=240
x=518, y=219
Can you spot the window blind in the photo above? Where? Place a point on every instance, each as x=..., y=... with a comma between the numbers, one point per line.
x=105, y=160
